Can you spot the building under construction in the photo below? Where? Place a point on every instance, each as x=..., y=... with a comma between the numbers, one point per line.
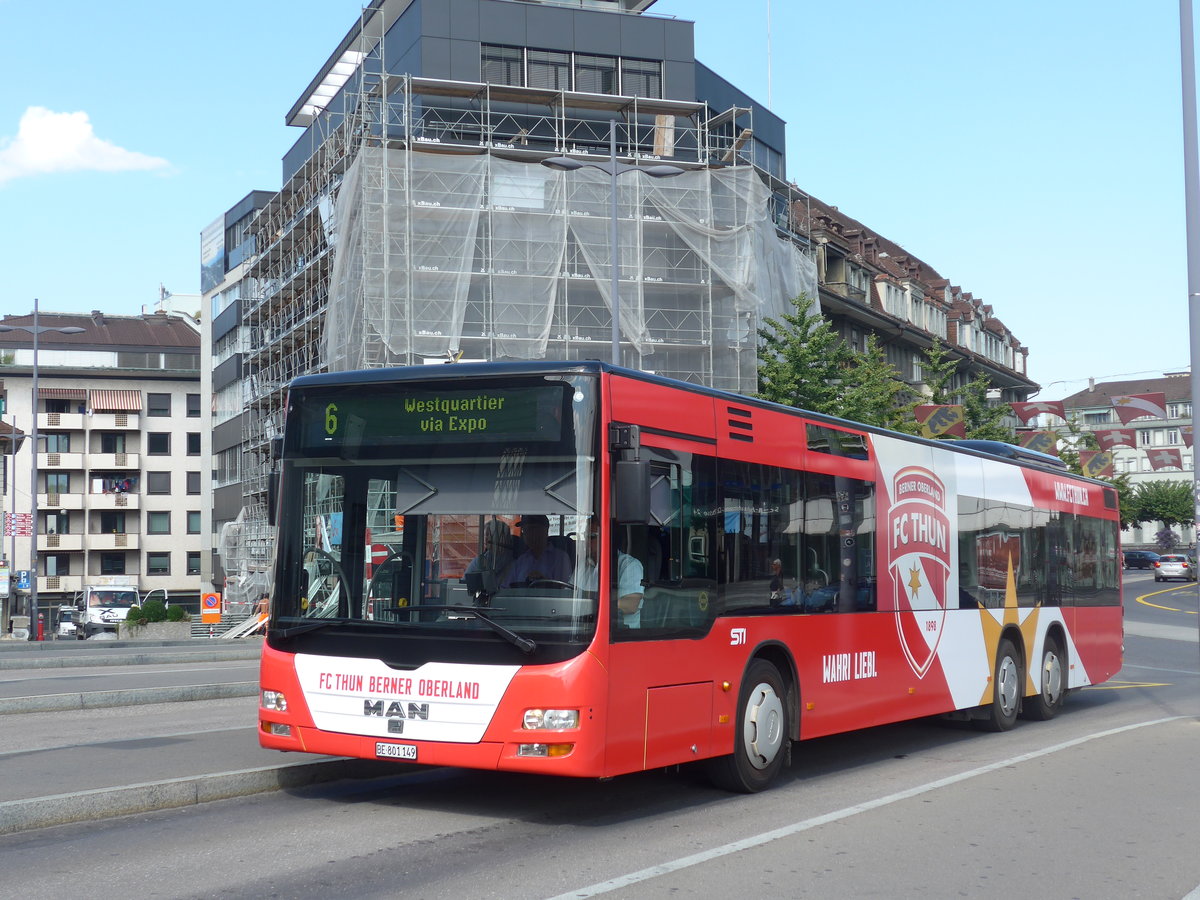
x=426, y=216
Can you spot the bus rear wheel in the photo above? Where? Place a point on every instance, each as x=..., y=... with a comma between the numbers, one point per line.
x=1049, y=700
x=1001, y=713
x=762, y=739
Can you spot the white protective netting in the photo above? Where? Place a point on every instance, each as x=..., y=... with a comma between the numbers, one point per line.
x=440, y=253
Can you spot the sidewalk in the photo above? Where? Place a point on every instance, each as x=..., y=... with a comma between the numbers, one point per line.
x=114, y=753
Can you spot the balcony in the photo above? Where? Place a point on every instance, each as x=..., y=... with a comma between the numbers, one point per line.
x=59, y=542
x=108, y=421
x=114, y=501
x=60, y=501
x=60, y=462
x=61, y=421
x=112, y=542
x=113, y=461
x=49, y=584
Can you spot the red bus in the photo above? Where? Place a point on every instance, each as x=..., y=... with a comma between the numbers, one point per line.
x=576, y=569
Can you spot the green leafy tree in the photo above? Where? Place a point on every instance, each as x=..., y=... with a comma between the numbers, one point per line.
x=984, y=420
x=875, y=393
x=1169, y=502
x=802, y=360
x=938, y=368
x=804, y=363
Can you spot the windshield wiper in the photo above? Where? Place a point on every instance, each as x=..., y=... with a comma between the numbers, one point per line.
x=307, y=626
x=524, y=644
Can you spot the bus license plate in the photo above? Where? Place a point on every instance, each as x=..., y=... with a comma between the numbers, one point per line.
x=395, y=751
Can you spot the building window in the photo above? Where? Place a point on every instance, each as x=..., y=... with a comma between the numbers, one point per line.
x=595, y=74
x=158, y=522
x=158, y=482
x=549, y=69
x=1144, y=437
x=58, y=522
x=193, y=482
x=501, y=65
x=57, y=442
x=641, y=77
x=158, y=563
x=112, y=522
x=1098, y=418
x=193, y=562
x=158, y=443
x=112, y=563
x=193, y=443
x=58, y=482
x=193, y=406
x=158, y=405
x=193, y=522
x=57, y=563
x=112, y=443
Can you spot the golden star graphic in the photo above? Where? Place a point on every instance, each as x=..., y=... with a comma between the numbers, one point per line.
x=992, y=629
x=914, y=580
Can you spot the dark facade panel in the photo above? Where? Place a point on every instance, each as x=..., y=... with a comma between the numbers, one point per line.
x=679, y=80
x=464, y=59
x=594, y=32
x=434, y=16
x=679, y=43
x=435, y=59
x=227, y=372
x=228, y=320
x=643, y=38
x=227, y=502
x=464, y=20
x=502, y=23
x=227, y=434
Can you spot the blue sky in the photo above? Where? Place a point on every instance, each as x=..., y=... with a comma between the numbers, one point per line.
x=1029, y=151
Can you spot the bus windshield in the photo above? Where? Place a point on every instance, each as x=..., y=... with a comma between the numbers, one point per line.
x=453, y=510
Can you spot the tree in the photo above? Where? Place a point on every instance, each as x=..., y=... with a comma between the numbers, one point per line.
x=1169, y=502
x=804, y=363
x=802, y=360
x=985, y=421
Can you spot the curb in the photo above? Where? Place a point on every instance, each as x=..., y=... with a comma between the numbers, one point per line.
x=134, y=659
x=105, y=803
x=106, y=699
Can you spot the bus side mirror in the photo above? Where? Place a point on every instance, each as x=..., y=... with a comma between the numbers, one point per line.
x=631, y=492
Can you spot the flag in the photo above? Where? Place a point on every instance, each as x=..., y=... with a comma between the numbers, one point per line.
x=1111, y=438
x=1186, y=431
x=941, y=419
x=1134, y=406
x=1165, y=458
x=1096, y=463
x=1027, y=411
x=1042, y=441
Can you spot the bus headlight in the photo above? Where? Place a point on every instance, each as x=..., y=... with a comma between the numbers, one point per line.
x=553, y=719
x=545, y=750
x=274, y=700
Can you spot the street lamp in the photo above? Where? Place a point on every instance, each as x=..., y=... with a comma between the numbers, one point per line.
x=35, y=329
x=613, y=168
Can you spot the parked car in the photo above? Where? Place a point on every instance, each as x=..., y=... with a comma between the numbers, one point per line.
x=1140, y=559
x=1174, y=565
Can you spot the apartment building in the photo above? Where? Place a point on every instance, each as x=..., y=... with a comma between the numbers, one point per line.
x=121, y=421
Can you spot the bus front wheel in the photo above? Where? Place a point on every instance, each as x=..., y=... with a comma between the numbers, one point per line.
x=1007, y=684
x=761, y=740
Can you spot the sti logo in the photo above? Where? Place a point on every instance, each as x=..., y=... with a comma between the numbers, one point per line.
x=918, y=536
x=737, y=636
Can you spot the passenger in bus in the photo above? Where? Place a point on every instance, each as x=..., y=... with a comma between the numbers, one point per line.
x=493, y=564
x=630, y=575
x=541, y=561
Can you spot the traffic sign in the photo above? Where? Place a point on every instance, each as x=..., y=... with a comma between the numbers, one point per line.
x=23, y=583
x=210, y=607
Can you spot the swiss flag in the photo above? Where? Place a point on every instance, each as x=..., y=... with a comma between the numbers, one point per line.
x=1111, y=438
x=1027, y=411
x=1165, y=458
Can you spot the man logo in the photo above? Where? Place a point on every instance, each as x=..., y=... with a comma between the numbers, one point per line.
x=737, y=636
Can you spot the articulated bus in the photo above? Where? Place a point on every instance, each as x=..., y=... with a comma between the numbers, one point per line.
x=577, y=569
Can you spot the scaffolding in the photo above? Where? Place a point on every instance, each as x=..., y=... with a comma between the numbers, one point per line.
x=451, y=238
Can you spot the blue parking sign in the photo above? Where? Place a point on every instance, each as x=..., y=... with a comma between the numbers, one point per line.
x=23, y=580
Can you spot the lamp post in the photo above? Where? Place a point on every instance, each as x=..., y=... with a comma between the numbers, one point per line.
x=35, y=330
x=613, y=168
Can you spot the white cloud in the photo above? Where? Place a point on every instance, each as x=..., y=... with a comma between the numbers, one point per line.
x=48, y=142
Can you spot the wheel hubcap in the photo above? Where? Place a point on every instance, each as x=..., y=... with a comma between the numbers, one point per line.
x=763, y=727
x=1007, y=686
x=1052, y=686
